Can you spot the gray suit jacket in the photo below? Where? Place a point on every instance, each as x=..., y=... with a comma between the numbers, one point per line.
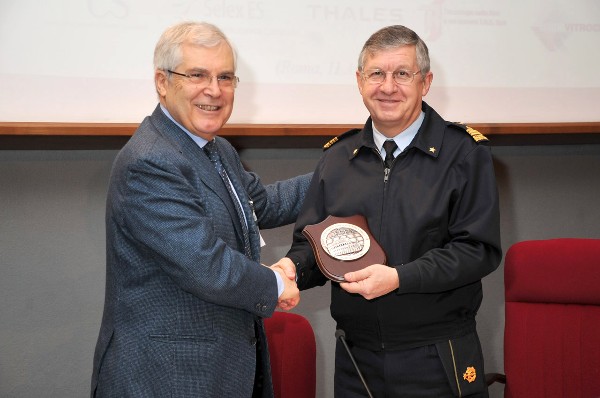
x=182, y=300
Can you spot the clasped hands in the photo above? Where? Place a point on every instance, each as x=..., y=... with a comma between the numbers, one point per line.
x=291, y=295
x=371, y=282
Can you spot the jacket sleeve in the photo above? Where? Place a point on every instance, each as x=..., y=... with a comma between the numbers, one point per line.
x=473, y=249
x=301, y=252
x=275, y=204
x=168, y=219
x=279, y=203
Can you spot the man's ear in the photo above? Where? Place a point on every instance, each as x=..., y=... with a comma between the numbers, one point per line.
x=359, y=81
x=427, y=83
x=161, y=81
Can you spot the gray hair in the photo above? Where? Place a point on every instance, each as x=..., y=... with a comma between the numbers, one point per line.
x=167, y=53
x=392, y=37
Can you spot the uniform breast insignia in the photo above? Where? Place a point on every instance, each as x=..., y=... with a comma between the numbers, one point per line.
x=477, y=136
x=470, y=374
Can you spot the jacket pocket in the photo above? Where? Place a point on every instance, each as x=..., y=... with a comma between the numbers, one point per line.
x=173, y=338
x=188, y=362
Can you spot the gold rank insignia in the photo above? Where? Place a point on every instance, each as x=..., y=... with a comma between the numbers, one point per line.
x=470, y=375
x=477, y=136
x=340, y=137
x=432, y=149
x=330, y=142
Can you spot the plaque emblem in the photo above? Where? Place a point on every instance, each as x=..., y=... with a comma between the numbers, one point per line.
x=343, y=244
x=344, y=241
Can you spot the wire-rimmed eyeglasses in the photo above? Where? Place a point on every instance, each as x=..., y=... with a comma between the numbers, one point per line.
x=224, y=80
x=377, y=76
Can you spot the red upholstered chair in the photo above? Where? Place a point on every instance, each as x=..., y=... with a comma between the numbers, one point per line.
x=292, y=349
x=552, y=324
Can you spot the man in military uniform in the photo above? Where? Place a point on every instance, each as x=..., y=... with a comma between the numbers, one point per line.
x=428, y=191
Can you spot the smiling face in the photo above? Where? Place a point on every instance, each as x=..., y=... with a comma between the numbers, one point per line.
x=201, y=108
x=393, y=107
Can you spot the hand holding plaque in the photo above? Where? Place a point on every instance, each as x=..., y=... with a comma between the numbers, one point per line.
x=343, y=244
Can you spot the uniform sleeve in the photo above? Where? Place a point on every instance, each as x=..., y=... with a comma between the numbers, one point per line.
x=473, y=250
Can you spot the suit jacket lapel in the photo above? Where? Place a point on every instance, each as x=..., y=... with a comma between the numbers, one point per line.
x=188, y=148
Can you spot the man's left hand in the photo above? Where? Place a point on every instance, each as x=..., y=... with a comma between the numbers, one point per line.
x=371, y=282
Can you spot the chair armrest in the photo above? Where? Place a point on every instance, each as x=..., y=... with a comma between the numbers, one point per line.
x=491, y=378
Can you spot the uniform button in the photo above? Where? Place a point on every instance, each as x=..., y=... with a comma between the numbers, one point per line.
x=258, y=306
x=253, y=341
x=264, y=308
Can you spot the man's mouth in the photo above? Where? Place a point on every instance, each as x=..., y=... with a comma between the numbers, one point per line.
x=209, y=107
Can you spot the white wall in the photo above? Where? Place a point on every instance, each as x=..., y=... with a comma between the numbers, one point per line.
x=493, y=61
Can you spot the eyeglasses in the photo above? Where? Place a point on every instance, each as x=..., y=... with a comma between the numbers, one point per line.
x=225, y=80
x=377, y=76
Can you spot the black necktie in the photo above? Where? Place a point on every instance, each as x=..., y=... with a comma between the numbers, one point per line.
x=389, y=146
x=213, y=154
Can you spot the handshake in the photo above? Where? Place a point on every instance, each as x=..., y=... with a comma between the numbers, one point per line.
x=291, y=295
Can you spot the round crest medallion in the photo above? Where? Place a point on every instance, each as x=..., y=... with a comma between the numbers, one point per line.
x=345, y=242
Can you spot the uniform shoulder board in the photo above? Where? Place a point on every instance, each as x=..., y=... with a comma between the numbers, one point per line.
x=476, y=135
x=332, y=141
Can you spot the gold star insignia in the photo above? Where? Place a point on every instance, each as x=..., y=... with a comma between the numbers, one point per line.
x=355, y=151
x=432, y=149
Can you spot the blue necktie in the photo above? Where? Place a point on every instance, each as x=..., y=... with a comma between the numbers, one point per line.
x=213, y=154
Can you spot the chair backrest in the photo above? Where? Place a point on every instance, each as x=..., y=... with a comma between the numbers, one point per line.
x=552, y=323
x=292, y=349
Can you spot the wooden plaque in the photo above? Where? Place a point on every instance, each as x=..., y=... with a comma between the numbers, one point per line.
x=343, y=244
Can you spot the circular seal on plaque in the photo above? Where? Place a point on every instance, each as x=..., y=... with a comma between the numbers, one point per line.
x=344, y=241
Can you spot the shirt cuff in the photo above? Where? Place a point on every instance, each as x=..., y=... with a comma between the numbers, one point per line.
x=280, y=286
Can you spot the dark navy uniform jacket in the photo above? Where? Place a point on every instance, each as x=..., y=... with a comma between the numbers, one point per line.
x=436, y=217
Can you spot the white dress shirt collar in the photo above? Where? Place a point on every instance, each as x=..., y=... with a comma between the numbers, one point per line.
x=198, y=140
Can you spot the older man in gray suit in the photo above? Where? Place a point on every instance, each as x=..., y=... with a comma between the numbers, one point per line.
x=185, y=291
